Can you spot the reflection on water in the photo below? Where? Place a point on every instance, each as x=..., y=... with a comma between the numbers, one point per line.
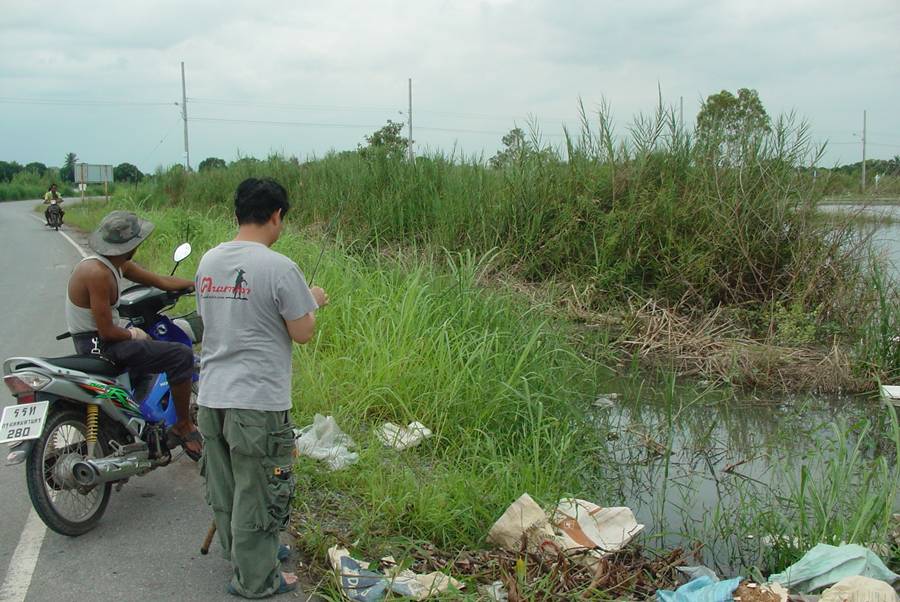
x=728, y=471
x=886, y=236
x=712, y=469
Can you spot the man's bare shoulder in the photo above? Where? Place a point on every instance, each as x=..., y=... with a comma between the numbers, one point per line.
x=92, y=271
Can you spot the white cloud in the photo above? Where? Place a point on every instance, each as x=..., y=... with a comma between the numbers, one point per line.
x=828, y=60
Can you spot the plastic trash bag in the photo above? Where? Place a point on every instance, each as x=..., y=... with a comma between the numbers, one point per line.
x=701, y=589
x=692, y=572
x=826, y=565
x=859, y=589
x=360, y=584
x=324, y=440
x=400, y=437
x=523, y=518
x=582, y=525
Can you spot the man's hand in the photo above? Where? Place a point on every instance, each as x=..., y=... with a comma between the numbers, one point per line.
x=137, y=334
x=319, y=295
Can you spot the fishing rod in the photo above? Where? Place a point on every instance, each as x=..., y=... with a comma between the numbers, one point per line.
x=325, y=235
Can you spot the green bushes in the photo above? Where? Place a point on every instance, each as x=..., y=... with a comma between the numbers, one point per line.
x=651, y=215
x=31, y=185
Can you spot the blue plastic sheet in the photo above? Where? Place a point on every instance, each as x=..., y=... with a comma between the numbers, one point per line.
x=701, y=589
x=826, y=565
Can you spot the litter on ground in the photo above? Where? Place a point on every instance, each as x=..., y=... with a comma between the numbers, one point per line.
x=859, y=589
x=825, y=565
x=360, y=584
x=701, y=589
x=400, y=437
x=576, y=527
x=324, y=440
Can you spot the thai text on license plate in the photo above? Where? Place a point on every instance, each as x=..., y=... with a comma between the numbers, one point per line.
x=23, y=421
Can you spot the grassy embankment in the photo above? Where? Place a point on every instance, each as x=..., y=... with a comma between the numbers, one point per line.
x=686, y=259
x=505, y=393
x=735, y=259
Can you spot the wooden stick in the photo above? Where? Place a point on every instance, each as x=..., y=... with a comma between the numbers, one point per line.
x=204, y=549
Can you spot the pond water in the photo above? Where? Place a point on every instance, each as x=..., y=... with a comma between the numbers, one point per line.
x=696, y=465
x=700, y=464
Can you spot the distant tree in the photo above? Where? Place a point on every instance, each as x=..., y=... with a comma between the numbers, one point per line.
x=37, y=168
x=212, y=163
x=515, y=147
x=893, y=166
x=126, y=172
x=8, y=169
x=388, y=141
x=728, y=125
x=67, y=172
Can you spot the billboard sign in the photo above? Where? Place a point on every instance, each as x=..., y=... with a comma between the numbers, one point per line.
x=85, y=173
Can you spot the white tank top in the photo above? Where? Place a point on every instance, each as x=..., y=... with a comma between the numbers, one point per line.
x=81, y=319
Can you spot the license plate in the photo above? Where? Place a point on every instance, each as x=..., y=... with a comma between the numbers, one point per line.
x=24, y=421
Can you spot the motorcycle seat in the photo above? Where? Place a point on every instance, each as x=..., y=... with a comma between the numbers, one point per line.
x=83, y=363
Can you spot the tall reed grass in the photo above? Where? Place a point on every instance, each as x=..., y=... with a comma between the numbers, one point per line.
x=649, y=213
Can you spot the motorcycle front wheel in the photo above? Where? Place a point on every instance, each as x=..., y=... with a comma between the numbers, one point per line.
x=63, y=505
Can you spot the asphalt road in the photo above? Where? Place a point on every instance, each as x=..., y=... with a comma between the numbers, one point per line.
x=147, y=545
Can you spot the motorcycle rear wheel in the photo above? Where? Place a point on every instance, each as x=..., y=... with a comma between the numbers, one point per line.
x=64, y=508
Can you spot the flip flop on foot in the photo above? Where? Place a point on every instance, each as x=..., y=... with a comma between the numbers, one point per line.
x=174, y=439
x=284, y=552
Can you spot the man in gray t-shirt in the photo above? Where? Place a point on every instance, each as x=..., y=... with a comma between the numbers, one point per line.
x=254, y=303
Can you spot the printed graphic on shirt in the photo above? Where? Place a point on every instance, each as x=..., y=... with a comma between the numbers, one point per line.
x=240, y=290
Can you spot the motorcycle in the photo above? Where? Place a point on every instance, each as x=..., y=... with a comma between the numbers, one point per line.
x=81, y=426
x=54, y=215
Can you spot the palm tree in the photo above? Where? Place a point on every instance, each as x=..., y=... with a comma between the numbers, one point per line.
x=68, y=170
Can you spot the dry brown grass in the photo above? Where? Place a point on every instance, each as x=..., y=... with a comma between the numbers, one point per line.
x=712, y=347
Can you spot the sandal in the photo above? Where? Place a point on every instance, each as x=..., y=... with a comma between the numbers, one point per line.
x=173, y=440
x=283, y=587
x=284, y=552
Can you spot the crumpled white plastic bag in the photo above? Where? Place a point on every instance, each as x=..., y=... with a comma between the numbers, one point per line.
x=324, y=440
x=402, y=437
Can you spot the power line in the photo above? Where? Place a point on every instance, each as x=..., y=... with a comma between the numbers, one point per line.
x=163, y=139
x=349, y=125
x=84, y=102
x=273, y=105
x=288, y=123
x=278, y=105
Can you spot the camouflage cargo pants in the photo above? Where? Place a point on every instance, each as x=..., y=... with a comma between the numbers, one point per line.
x=247, y=465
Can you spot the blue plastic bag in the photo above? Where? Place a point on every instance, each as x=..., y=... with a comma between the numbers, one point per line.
x=701, y=589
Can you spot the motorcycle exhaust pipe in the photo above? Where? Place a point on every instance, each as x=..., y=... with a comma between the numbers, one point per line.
x=102, y=470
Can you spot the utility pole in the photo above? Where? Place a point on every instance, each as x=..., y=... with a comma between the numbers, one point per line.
x=409, y=114
x=864, y=154
x=187, y=153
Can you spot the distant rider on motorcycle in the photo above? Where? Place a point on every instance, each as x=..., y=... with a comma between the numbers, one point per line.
x=49, y=197
x=93, y=319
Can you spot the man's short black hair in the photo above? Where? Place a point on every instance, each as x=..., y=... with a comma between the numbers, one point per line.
x=257, y=199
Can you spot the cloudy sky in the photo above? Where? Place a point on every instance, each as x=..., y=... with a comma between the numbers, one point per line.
x=101, y=78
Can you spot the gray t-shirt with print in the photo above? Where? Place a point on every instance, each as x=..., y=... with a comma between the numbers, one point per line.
x=245, y=293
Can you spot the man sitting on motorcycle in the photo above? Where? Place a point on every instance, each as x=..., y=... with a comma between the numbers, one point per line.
x=49, y=197
x=93, y=319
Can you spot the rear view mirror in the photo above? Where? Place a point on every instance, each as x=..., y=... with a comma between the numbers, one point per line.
x=182, y=252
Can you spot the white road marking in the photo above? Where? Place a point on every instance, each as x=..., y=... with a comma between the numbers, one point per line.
x=24, y=560
x=67, y=237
